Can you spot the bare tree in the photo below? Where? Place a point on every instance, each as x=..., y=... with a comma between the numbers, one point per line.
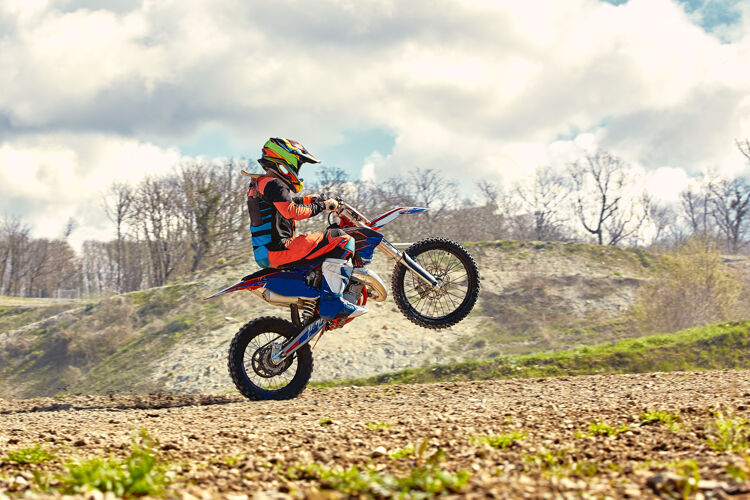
x=39, y=256
x=118, y=205
x=744, y=147
x=13, y=268
x=602, y=204
x=201, y=200
x=696, y=210
x=161, y=227
x=489, y=193
x=730, y=202
x=70, y=225
x=331, y=181
x=489, y=219
x=544, y=198
x=664, y=221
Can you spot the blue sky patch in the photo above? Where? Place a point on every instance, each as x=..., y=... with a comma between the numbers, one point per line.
x=357, y=145
x=711, y=14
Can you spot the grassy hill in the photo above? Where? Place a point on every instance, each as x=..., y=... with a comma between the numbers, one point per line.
x=536, y=298
x=711, y=347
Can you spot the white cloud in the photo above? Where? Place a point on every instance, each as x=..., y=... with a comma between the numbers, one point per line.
x=478, y=89
x=666, y=183
x=54, y=177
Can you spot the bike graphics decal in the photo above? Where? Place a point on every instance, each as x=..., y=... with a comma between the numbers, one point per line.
x=387, y=217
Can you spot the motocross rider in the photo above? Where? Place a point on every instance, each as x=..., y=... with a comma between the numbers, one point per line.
x=274, y=208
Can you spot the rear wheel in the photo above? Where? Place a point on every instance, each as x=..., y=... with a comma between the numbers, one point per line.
x=458, y=284
x=255, y=374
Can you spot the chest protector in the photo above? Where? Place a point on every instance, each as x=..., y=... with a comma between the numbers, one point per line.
x=261, y=218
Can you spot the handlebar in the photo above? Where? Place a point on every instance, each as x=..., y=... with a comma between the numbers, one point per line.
x=332, y=205
x=351, y=214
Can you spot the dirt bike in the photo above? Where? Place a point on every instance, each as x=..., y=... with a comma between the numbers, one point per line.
x=435, y=284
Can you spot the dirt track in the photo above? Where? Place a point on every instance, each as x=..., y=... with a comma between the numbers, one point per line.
x=222, y=445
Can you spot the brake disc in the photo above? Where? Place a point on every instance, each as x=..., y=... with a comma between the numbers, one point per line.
x=264, y=365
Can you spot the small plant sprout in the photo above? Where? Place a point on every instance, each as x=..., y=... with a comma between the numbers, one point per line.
x=407, y=451
x=728, y=433
x=373, y=426
x=599, y=428
x=141, y=473
x=741, y=472
x=689, y=478
x=501, y=441
x=325, y=421
x=424, y=480
x=30, y=455
x=670, y=420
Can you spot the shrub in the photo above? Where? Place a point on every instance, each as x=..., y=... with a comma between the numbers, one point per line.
x=691, y=288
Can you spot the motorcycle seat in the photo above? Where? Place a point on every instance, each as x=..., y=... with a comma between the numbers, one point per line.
x=270, y=270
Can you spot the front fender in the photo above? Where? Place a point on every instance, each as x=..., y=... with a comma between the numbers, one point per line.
x=382, y=220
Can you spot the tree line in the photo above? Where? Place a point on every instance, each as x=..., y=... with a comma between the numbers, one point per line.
x=194, y=218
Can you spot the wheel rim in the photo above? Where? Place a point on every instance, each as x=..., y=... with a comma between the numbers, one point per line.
x=260, y=370
x=453, y=279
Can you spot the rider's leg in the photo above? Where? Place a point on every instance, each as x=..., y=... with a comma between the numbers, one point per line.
x=297, y=248
x=337, y=247
x=337, y=270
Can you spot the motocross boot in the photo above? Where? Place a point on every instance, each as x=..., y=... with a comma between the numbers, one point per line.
x=336, y=274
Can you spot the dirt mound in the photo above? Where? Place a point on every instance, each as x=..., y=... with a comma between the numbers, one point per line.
x=535, y=297
x=597, y=436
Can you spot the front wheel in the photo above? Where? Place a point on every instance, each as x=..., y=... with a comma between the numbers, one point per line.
x=458, y=284
x=255, y=374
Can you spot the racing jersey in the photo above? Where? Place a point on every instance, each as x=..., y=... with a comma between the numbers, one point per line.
x=273, y=212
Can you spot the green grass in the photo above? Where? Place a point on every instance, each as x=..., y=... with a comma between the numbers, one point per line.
x=12, y=317
x=687, y=484
x=407, y=451
x=670, y=420
x=140, y=474
x=423, y=480
x=715, y=346
x=30, y=455
x=417, y=482
x=599, y=428
x=729, y=433
x=559, y=463
x=740, y=472
x=501, y=441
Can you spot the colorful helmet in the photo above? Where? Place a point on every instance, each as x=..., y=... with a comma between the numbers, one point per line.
x=284, y=158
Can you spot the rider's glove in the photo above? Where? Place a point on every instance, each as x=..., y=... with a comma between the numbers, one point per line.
x=318, y=205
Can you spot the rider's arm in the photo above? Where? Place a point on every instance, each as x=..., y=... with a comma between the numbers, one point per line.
x=281, y=197
x=304, y=200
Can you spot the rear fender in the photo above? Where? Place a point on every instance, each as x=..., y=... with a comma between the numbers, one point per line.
x=286, y=283
x=382, y=220
x=240, y=285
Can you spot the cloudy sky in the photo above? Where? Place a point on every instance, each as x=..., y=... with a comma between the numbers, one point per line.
x=479, y=89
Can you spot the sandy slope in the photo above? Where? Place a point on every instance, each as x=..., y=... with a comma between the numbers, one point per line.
x=223, y=445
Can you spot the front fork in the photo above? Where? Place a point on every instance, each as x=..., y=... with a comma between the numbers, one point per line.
x=306, y=335
x=406, y=260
